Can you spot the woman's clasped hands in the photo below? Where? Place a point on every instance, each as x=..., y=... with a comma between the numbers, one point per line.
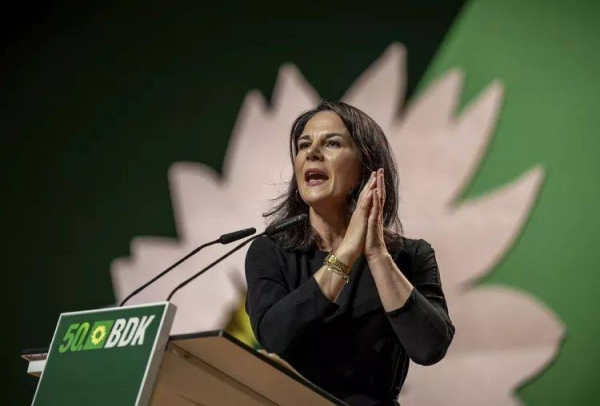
x=364, y=234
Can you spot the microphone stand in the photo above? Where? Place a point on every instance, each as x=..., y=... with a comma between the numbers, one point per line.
x=160, y=275
x=269, y=232
x=191, y=278
x=224, y=239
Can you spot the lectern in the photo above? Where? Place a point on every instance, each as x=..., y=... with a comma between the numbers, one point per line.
x=125, y=356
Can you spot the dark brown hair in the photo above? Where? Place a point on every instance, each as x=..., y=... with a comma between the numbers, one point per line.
x=375, y=153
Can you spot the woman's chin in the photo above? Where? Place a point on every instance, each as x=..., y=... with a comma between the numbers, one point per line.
x=321, y=200
x=314, y=197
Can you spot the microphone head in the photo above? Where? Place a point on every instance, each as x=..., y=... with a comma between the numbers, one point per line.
x=286, y=224
x=236, y=235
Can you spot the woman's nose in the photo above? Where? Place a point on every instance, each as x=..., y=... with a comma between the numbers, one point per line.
x=314, y=153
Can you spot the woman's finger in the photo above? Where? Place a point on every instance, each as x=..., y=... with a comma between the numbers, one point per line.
x=366, y=203
x=381, y=193
x=380, y=202
x=382, y=189
x=375, y=209
x=368, y=186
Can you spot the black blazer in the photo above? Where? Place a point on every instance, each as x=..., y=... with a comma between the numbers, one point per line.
x=352, y=348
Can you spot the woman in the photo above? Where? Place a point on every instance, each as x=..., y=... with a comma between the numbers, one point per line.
x=346, y=300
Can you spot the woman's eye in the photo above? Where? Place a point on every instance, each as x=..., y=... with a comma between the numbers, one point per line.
x=333, y=144
x=303, y=145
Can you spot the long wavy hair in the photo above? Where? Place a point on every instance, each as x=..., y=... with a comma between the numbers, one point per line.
x=375, y=153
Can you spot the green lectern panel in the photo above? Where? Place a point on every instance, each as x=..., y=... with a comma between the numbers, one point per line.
x=106, y=357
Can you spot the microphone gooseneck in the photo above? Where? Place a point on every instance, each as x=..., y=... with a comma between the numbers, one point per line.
x=191, y=278
x=224, y=239
x=270, y=231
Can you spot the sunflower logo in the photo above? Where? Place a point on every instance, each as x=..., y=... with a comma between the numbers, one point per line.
x=98, y=335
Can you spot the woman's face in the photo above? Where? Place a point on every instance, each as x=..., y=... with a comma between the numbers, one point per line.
x=328, y=164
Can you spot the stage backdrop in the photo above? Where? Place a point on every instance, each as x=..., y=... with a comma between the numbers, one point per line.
x=135, y=135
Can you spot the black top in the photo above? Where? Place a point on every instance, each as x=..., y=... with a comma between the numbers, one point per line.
x=352, y=348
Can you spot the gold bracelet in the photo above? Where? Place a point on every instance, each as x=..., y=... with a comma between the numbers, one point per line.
x=332, y=261
x=340, y=274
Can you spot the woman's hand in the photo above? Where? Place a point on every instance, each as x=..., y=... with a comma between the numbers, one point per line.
x=374, y=240
x=353, y=244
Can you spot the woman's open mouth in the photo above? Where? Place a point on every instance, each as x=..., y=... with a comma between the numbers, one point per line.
x=315, y=177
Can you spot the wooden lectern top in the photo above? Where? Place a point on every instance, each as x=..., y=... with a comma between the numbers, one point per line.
x=214, y=368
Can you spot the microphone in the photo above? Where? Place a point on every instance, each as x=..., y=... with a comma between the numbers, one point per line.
x=269, y=232
x=285, y=225
x=224, y=239
x=236, y=235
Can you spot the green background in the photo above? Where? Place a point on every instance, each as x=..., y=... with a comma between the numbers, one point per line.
x=99, y=100
x=546, y=55
x=108, y=376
